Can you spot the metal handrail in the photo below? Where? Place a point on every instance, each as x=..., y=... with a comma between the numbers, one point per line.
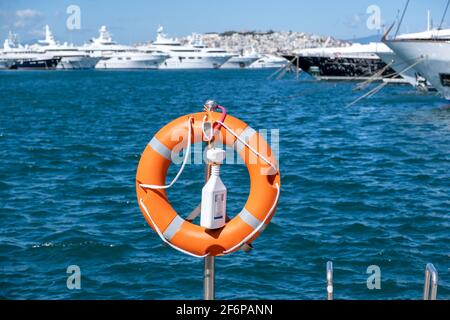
x=329, y=280
x=430, y=274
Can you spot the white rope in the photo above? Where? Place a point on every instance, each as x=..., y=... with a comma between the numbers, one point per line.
x=141, y=202
x=411, y=66
x=260, y=225
x=248, y=146
x=373, y=78
x=382, y=85
x=186, y=157
x=368, y=94
x=377, y=89
x=280, y=70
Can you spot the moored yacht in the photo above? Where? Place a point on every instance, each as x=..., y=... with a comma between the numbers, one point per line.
x=269, y=61
x=354, y=62
x=21, y=57
x=70, y=56
x=241, y=60
x=115, y=56
x=195, y=56
x=429, y=54
x=405, y=68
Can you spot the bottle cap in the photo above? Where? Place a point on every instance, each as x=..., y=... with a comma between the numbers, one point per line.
x=215, y=155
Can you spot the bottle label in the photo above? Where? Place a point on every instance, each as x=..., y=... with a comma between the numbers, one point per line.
x=219, y=206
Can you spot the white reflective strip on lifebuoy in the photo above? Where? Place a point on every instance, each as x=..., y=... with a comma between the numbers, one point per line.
x=160, y=148
x=258, y=229
x=141, y=202
x=249, y=219
x=173, y=228
x=245, y=135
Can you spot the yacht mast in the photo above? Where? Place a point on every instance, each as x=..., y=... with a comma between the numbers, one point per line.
x=401, y=19
x=443, y=15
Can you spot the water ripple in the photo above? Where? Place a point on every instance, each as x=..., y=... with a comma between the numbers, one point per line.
x=367, y=185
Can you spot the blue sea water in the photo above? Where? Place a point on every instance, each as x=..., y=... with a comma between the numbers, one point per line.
x=366, y=185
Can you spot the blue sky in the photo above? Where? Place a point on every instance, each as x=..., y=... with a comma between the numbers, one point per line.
x=136, y=20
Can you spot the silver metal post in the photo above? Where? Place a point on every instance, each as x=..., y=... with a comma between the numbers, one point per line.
x=431, y=275
x=330, y=280
x=209, y=272
x=208, y=279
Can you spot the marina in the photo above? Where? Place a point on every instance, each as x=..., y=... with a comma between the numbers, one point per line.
x=161, y=163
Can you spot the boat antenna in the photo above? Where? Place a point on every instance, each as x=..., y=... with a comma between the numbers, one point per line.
x=401, y=19
x=443, y=16
x=429, y=21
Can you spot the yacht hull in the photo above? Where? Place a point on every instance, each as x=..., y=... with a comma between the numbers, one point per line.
x=77, y=63
x=398, y=65
x=129, y=63
x=194, y=62
x=35, y=64
x=239, y=62
x=269, y=62
x=432, y=58
x=339, y=68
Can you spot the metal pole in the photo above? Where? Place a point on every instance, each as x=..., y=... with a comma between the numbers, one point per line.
x=426, y=286
x=298, y=71
x=431, y=275
x=208, y=272
x=330, y=280
x=208, y=279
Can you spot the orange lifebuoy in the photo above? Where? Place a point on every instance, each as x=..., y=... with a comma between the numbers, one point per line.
x=189, y=237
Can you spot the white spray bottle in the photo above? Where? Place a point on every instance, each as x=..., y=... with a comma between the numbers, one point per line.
x=214, y=193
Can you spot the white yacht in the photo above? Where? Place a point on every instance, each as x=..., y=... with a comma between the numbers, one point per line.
x=429, y=54
x=16, y=56
x=71, y=57
x=353, y=62
x=406, y=69
x=116, y=56
x=195, y=56
x=241, y=60
x=269, y=61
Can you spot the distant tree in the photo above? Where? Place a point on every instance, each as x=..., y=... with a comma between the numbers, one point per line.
x=228, y=33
